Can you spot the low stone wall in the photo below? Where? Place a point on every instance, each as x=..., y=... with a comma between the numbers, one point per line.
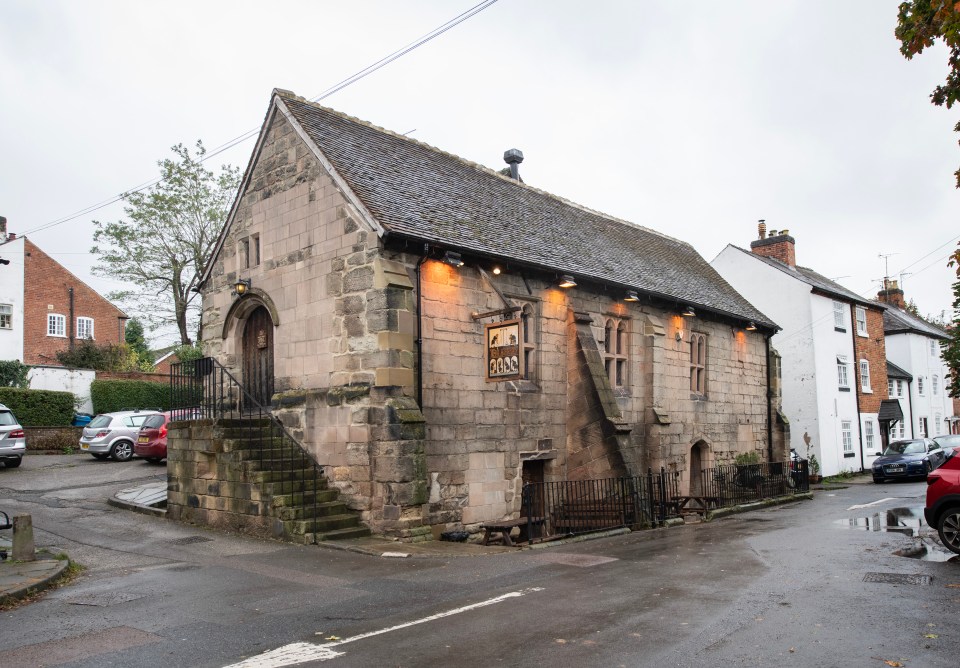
x=53, y=438
x=133, y=375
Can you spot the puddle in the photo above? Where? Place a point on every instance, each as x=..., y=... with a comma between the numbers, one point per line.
x=906, y=521
x=928, y=550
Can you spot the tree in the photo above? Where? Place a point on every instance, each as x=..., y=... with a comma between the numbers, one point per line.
x=920, y=23
x=161, y=248
x=951, y=347
x=133, y=335
x=108, y=357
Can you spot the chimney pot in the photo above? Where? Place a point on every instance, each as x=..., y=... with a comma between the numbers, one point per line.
x=762, y=228
x=776, y=245
x=514, y=157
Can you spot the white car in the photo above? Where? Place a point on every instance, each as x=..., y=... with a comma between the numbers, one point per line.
x=13, y=442
x=113, y=434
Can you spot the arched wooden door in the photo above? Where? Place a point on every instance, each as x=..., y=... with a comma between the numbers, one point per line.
x=258, y=356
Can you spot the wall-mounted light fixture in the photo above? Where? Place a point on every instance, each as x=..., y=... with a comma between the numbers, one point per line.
x=566, y=281
x=688, y=312
x=632, y=296
x=496, y=271
x=751, y=326
x=453, y=259
x=241, y=287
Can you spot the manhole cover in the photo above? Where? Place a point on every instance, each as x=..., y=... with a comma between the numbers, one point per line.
x=897, y=578
x=191, y=539
x=581, y=560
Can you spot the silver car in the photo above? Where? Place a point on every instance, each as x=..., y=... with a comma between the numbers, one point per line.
x=113, y=434
x=13, y=442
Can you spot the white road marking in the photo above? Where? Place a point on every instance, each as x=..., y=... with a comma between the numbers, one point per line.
x=302, y=652
x=872, y=503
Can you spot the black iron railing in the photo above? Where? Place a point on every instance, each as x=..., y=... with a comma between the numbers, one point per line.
x=205, y=389
x=734, y=484
x=571, y=507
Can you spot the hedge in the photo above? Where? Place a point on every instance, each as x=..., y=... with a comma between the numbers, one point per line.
x=117, y=395
x=39, y=408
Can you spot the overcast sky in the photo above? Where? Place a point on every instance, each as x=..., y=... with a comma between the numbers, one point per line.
x=692, y=118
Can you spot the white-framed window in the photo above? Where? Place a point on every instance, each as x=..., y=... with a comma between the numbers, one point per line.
x=615, y=342
x=84, y=328
x=920, y=385
x=868, y=434
x=935, y=385
x=923, y=431
x=846, y=432
x=56, y=325
x=6, y=316
x=861, y=321
x=839, y=321
x=698, y=363
x=889, y=388
x=865, y=376
x=936, y=424
x=842, y=377
x=896, y=431
x=899, y=388
x=933, y=348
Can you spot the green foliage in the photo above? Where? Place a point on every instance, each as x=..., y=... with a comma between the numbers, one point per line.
x=950, y=349
x=108, y=357
x=188, y=353
x=814, y=465
x=117, y=395
x=162, y=247
x=747, y=458
x=39, y=408
x=13, y=373
x=133, y=335
x=920, y=23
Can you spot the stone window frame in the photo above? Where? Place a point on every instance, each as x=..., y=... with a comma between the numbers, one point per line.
x=616, y=351
x=85, y=328
x=57, y=325
x=243, y=253
x=699, y=351
x=846, y=436
x=861, y=321
x=6, y=316
x=839, y=322
x=865, y=377
x=256, y=250
x=529, y=317
x=868, y=433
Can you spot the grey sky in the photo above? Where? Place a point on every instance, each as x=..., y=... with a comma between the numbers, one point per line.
x=693, y=118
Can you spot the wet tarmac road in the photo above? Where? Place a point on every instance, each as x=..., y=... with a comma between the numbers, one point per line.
x=782, y=586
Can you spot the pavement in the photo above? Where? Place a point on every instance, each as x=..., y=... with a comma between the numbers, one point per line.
x=19, y=579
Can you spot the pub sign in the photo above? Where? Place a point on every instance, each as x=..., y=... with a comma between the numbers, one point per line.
x=504, y=361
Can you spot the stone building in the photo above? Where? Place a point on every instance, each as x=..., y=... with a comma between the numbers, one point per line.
x=437, y=332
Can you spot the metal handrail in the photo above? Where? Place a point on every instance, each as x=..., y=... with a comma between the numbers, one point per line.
x=204, y=388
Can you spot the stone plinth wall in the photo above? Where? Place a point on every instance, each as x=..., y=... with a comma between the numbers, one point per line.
x=53, y=438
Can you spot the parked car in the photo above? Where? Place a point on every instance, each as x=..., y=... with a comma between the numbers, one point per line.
x=948, y=442
x=907, y=459
x=13, y=442
x=152, y=438
x=942, y=511
x=113, y=434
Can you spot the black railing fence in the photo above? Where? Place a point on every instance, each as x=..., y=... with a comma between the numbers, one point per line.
x=570, y=507
x=204, y=389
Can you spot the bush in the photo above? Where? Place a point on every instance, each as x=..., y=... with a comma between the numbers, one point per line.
x=117, y=395
x=39, y=408
x=13, y=373
x=108, y=357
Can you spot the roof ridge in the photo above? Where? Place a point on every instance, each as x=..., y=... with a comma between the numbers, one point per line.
x=290, y=95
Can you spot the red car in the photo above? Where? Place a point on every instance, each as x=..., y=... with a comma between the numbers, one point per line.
x=942, y=511
x=152, y=439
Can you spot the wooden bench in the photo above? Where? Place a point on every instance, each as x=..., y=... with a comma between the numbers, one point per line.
x=580, y=516
x=506, y=526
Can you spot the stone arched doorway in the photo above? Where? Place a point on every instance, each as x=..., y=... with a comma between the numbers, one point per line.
x=698, y=460
x=257, y=356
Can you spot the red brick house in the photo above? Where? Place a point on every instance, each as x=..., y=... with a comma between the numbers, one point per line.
x=45, y=309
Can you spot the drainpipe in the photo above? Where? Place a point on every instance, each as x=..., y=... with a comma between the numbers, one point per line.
x=769, y=405
x=910, y=409
x=72, y=334
x=426, y=252
x=858, y=381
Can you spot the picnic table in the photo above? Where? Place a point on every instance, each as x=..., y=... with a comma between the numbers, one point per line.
x=504, y=527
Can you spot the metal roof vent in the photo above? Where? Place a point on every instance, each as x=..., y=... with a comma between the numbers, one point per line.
x=514, y=157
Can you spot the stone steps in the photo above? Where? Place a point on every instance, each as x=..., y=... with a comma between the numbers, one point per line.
x=324, y=525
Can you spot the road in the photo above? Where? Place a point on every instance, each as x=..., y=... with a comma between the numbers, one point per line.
x=782, y=586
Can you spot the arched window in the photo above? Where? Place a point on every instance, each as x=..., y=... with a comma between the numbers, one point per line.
x=615, y=347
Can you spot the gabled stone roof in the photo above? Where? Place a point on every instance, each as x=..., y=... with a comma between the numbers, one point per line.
x=898, y=321
x=814, y=280
x=418, y=192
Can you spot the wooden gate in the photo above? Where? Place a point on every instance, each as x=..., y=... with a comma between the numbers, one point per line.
x=258, y=356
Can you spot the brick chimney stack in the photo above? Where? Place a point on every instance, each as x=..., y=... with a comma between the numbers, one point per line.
x=777, y=245
x=891, y=294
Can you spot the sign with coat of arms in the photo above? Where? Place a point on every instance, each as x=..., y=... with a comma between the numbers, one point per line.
x=503, y=357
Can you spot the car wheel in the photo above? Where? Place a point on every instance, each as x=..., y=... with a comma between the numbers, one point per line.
x=877, y=480
x=949, y=529
x=13, y=463
x=153, y=460
x=99, y=455
x=122, y=451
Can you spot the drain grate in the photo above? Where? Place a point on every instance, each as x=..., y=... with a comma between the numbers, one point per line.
x=897, y=578
x=189, y=540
